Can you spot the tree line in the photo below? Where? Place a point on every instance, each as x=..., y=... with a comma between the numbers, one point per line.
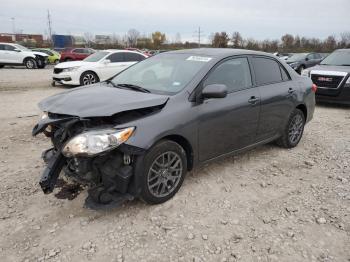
x=288, y=43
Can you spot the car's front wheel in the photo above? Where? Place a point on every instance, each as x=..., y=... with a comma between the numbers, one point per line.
x=88, y=78
x=30, y=63
x=293, y=131
x=164, y=170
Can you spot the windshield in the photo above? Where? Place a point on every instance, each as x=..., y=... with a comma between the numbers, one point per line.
x=21, y=47
x=96, y=57
x=337, y=58
x=296, y=57
x=163, y=74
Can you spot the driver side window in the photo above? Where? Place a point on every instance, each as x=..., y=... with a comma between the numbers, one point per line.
x=234, y=73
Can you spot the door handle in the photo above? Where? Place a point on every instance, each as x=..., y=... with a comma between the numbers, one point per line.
x=291, y=90
x=253, y=100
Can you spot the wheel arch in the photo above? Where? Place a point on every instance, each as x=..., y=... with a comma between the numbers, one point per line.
x=303, y=109
x=185, y=144
x=28, y=57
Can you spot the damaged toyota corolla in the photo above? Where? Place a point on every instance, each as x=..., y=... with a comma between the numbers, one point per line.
x=137, y=134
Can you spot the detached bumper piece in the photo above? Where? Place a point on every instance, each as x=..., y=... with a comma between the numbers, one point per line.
x=55, y=163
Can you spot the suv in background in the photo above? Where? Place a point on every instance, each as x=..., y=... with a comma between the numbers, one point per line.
x=332, y=76
x=301, y=61
x=74, y=54
x=14, y=54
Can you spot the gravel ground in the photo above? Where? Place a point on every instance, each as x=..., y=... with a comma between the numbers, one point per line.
x=269, y=204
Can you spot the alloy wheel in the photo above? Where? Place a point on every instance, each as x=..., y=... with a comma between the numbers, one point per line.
x=165, y=174
x=30, y=64
x=296, y=129
x=89, y=79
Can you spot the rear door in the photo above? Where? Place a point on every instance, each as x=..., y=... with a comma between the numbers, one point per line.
x=132, y=58
x=3, y=54
x=230, y=123
x=78, y=53
x=277, y=93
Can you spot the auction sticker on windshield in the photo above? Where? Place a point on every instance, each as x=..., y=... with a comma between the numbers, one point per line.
x=199, y=58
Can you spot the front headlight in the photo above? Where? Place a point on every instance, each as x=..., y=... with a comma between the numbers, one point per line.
x=94, y=142
x=71, y=69
x=44, y=115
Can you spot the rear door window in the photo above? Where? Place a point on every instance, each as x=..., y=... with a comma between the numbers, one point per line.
x=267, y=71
x=133, y=57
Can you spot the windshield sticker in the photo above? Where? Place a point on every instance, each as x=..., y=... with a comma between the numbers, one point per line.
x=176, y=83
x=199, y=58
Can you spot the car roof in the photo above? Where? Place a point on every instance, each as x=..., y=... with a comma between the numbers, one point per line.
x=219, y=52
x=121, y=50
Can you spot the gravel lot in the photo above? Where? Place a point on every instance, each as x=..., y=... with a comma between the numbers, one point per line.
x=270, y=204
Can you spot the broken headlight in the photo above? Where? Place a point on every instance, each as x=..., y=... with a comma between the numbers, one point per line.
x=94, y=142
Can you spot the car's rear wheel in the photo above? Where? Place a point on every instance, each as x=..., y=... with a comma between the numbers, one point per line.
x=164, y=170
x=293, y=130
x=88, y=78
x=30, y=63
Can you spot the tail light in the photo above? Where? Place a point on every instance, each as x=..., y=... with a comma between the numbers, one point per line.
x=314, y=88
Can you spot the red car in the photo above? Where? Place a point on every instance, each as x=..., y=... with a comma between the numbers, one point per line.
x=73, y=54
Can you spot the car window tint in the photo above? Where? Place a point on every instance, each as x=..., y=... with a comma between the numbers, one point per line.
x=311, y=56
x=9, y=47
x=133, y=57
x=234, y=73
x=116, y=57
x=285, y=75
x=78, y=50
x=266, y=70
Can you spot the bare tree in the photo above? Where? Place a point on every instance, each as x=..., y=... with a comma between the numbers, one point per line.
x=237, y=40
x=132, y=37
x=89, y=38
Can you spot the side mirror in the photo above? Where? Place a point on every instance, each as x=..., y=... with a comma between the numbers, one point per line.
x=106, y=61
x=214, y=91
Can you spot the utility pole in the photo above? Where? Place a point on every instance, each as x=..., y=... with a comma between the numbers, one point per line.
x=13, y=25
x=49, y=26
x=199, y=33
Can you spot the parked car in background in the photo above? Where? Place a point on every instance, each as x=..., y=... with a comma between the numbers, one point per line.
x=74, y=54
x=95, y=68
x=283, y=56
x=15, y=55
x=138, y=134
x=301, y=61
x=53, y=56
x=332, y=77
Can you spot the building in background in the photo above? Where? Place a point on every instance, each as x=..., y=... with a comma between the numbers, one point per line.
x=25, y=39
x=62, y=41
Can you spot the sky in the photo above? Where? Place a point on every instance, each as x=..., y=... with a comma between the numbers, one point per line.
x=259, y=19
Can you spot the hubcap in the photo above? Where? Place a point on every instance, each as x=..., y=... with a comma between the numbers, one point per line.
x=165, y=174
x=89, y=79
x=30, y=64
x=296, y=129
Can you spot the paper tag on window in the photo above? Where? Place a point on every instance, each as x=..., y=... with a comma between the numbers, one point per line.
x=199, y=58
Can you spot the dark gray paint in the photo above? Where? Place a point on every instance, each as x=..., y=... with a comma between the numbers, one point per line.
x=212, y=127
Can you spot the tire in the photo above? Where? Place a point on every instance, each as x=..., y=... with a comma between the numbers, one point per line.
x=293, y=131
x=30, y=63
x=164, y=170
x=2, y=66
x=88, y=78
x=300, y=69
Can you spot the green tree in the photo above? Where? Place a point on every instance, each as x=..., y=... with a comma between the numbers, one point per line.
x=158, y=39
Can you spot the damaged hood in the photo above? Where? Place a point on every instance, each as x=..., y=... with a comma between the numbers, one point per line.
x=99, y=100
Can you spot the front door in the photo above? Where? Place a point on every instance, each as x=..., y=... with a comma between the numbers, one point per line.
x=230, y=123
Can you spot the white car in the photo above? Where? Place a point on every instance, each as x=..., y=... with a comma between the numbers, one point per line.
x=14, y=54
x=97, y=67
